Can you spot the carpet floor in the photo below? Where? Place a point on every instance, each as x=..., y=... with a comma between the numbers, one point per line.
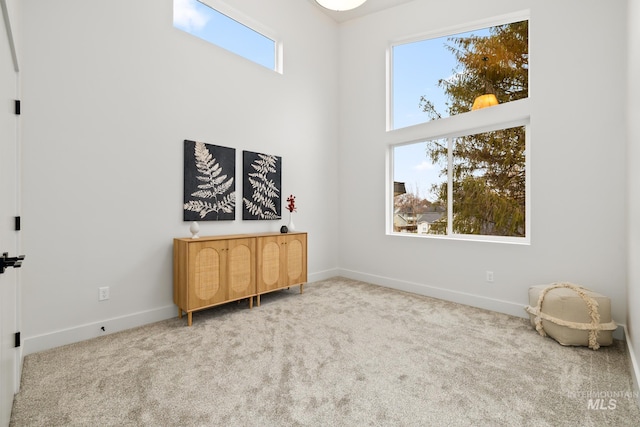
x=343, y=353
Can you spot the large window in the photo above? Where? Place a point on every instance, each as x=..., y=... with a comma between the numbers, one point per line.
x=217, y=23
x=461, y=172
x=468, y=185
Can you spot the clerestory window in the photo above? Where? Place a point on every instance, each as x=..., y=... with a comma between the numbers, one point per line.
x=217, y=23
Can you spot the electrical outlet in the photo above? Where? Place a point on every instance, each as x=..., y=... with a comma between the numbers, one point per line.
x=103, y=293
x=489, y=276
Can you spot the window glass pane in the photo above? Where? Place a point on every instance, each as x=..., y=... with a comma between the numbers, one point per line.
x=442, y=77
x=417, y=205
x=207, y=23
x=487, y=180
x=489, y=183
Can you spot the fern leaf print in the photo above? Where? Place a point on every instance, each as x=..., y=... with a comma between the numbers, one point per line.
x=209, y=182
x=261, y=186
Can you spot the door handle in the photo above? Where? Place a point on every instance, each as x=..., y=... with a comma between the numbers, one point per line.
x=7, y=261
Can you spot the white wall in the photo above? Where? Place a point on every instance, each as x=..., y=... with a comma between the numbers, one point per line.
x=110, y=91
x=578, y=172
x=633, y=190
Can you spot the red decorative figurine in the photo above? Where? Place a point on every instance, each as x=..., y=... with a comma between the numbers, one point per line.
x=291, y=207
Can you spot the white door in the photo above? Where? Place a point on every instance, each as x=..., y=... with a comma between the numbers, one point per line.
x=9, y=239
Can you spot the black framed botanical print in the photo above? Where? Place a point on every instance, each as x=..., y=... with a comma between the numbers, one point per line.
x=261, y=183
x=209, y=182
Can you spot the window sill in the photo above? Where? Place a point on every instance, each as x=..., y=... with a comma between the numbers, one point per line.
x=522, y=241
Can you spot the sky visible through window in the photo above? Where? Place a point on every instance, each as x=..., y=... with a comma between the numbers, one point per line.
x=202, y=21
x=417, y=67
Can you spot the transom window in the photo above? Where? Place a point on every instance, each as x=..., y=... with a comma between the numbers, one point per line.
x=217, y=23
x=445, y=76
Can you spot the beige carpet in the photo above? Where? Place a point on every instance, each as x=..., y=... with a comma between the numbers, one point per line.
x=344, y=353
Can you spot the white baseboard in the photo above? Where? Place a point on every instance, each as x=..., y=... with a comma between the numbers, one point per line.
x=323, y=275
x=75, y=334
x=479, y=301
x=633, y=366
x=58, y=338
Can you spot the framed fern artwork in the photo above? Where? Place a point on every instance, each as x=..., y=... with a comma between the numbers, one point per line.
x=261, y=183
x=209, y=182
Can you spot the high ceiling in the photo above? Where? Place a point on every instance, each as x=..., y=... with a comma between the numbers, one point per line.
x=370, y=6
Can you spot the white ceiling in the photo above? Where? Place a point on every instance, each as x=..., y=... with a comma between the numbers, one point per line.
x=370, y=6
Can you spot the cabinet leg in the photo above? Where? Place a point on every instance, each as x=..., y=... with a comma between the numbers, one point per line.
x=258, y=300
x=250, y=303
x=179, y=313
x=301, y=287
x=189, y=318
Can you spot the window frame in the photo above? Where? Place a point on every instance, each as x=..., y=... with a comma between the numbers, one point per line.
x=503, y=116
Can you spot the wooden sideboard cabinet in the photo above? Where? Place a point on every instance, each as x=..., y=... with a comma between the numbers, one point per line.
x=282, y=262
x=214, y=270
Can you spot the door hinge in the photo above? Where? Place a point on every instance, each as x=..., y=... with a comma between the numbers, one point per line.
x=17, y=224
x=17, y=107
x=17, y=340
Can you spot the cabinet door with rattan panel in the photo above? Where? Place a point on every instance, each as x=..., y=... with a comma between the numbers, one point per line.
x=206, y=274
x=270, y=259
x=282, y=262
x=241, y=270
x=296, y=258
